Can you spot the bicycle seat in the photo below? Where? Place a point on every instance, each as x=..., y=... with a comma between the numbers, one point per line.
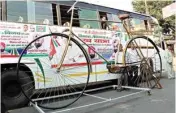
x=123, y=16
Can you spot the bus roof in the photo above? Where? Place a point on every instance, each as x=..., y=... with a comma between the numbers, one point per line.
x=83, y=4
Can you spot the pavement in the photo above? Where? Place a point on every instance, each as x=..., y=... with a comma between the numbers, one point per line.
x=161, y=101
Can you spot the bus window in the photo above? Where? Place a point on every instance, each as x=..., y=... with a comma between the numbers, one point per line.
x=116, y=26
x=0, y=10
x=116, y=18
x=89, y=24
x=103, y=19
x=138, y=25
x=152, y=24
x=17, y=11
x=88, y=19
x=43, y=13
x=54, y=9
x=65, y=17
x=103, y=14
x=110, y=22
x=146, y=25
x=113, y=22
x=110, y=17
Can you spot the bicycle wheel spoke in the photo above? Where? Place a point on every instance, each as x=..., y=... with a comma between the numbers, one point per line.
x=52, y=84
x=70, y=88
x=143, y=49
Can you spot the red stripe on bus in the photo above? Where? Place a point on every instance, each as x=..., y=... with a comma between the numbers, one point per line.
x=8, y=56
x=54, y=66
x=77, y=64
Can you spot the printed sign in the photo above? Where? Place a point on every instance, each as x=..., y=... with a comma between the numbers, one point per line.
x=16, y=36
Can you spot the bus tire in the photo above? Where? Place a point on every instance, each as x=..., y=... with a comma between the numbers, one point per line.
x=12, y=95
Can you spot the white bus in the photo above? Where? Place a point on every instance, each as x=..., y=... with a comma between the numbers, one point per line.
x=23, y=21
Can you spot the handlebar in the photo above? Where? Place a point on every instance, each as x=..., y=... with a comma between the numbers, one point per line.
x=73, y=6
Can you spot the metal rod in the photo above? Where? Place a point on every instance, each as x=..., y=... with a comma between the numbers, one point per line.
x=96, y=89
x=145, y=89
x=37, y=108
x=72, y=7
x=95, y=96
x=130, y=36
x=45, y=98
x=99, y=102
x=69, y=39
x=71, y=93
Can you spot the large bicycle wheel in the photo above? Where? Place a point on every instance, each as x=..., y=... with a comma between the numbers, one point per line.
x=54, y=88
x=144, y=63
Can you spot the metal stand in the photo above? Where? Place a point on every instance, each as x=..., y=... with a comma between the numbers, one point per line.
x=104, y=100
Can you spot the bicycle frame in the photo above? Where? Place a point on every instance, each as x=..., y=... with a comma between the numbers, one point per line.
x=139, y=52
x=70, y=33
x=70, y=36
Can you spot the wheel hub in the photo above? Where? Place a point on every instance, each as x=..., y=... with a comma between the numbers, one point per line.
x=146, y=67
x=11, y=89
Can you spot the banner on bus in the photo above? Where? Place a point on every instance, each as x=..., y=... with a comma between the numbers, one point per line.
x=16, y=36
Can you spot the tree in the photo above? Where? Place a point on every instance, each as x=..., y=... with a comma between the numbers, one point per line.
x=155, y=10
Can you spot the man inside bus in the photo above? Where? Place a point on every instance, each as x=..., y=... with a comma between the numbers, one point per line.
x=104, y=23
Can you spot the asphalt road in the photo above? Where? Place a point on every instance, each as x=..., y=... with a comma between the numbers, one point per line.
x=161, y=101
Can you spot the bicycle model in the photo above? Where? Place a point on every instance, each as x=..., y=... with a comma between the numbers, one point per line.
x=70, y=65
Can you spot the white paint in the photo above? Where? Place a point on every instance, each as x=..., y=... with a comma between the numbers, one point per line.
x=169, y=10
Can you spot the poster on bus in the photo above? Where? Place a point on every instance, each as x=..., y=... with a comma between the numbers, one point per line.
x=14, y=37
x=103, y=42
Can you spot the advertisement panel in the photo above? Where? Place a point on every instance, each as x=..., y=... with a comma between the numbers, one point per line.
x=16, y=36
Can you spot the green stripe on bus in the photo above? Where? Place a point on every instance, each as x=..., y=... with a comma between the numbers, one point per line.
x=41, y=68
x=35, y=55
